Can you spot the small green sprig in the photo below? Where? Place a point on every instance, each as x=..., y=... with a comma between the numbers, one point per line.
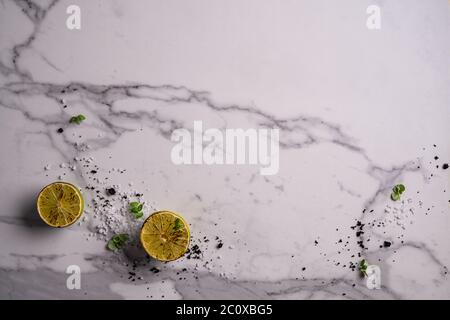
x=178, y=224
x=397, y=192
x=117, y=241
x=363, y=265
x=77, y=119
x=136, y=209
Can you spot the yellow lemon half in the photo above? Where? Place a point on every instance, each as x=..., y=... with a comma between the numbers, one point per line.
x=165, y=235
x=60, y=204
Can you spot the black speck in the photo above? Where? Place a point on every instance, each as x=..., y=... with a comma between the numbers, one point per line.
x=386, y=244
x=154, y=270
x=60, y=130
x=111, y=191
x=445, y=166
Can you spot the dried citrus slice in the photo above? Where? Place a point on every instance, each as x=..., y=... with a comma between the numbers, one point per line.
x=60, y=204
x=165, y=236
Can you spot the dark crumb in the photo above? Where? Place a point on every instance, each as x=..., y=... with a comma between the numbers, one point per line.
x=111, y=191
x=194, y=252
x=60, y=130
x=445, y=166
x=219, y=245
x=386, y=244
x=436, y=157
x=154, y=270
x=93, y=171
x=303, y=269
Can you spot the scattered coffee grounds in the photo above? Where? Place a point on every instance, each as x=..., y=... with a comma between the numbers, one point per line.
x=194, y=252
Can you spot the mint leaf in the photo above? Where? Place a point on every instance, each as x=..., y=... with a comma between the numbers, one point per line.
x=136, y=209
x=395, y=196
x=111, y=245
x=397, y=190
x=122, y=237
x=117, y=241
x=134, y=204
x=178, y=224
x=77, y=119
x=138, y=214
x=363, y=265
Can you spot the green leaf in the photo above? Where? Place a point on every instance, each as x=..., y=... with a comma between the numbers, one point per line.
x=178, y=224
x=77, y=119
x=134, y=210
x=117, y=241
x=395, y=196
x=363, y=267
x=123, y=237
x=363, y=264
x=134, y=204
x=111, y=245
x=399, y=188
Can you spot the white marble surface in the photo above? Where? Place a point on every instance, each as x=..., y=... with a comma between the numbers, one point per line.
x=358, y=111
